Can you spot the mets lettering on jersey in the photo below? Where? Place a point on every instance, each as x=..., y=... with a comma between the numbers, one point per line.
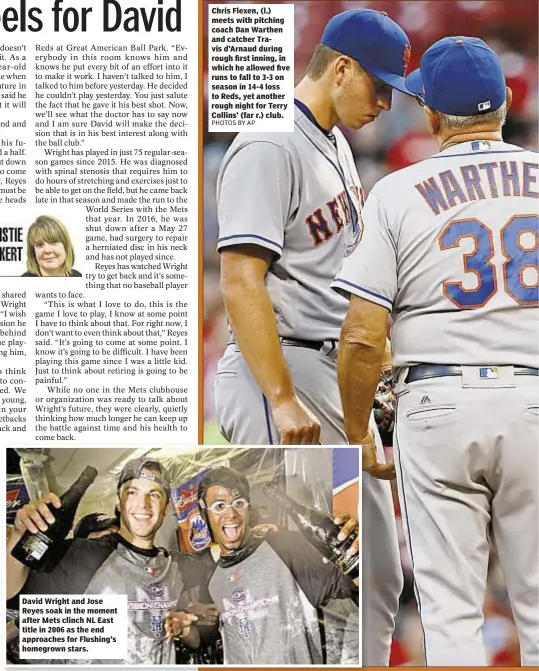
x=455, y=233
x=339, y=216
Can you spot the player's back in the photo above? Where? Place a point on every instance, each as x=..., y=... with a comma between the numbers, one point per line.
x=465, y=225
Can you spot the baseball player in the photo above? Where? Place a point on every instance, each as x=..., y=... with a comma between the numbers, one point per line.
x=270, y=621
x=159, y=584
x=449, y=246
x=289, y=207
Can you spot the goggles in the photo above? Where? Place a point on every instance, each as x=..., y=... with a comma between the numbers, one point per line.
x=219, y=507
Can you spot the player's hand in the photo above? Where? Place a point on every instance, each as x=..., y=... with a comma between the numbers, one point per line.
x=296, y=423
x=207, y=613
x=178, y=624
x=35, y=516
x=348, y=524
x=370, y=460
x=263, y=529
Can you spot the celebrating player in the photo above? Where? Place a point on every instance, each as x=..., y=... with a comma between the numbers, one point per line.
x=268, y=587
x=289, y=205
x=450, y=248
x=157, y=582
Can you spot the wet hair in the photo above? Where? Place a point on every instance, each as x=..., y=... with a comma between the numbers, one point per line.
x=322, y=57
x=226, y=477
x=50, y=230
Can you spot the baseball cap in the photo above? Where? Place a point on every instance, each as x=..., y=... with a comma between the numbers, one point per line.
x=145, y=468
x=459, y=75
x=374, y=40
x=226, y=477
x=92, y=523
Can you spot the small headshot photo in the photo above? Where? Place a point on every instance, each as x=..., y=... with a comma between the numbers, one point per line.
x=49, y=251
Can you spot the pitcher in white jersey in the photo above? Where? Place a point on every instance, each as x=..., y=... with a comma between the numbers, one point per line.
x=450, y=248
x=289, y=205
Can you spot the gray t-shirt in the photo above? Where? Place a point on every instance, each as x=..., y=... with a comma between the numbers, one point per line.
x=155, y=582
x=299, y=196
x=153, y=586
x=268, y=602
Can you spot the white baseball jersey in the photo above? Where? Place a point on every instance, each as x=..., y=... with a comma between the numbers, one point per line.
x=300, y=197
x=450, y=247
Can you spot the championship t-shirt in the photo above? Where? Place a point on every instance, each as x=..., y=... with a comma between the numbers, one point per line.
x=268, y=602
x=156, y=581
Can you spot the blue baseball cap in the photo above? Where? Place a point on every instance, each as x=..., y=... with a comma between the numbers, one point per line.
x=459, y=75
x=374, y=40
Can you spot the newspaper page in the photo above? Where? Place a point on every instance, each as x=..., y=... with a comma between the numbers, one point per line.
x=180, y=486
x=114, y=554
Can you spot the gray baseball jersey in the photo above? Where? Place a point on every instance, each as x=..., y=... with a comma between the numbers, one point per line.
x=299, y=196
x=450, y=247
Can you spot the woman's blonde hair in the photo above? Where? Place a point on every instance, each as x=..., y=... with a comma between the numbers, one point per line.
x=50, y=230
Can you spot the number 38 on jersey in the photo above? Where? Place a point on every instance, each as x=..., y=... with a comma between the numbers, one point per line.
x=517, y=274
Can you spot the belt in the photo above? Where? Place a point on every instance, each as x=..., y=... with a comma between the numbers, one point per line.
x=309, y=344
x=428, y=370
x=298, y=342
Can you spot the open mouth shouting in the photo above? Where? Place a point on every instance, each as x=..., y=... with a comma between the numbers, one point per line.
x=228, y=515
x=232, y=531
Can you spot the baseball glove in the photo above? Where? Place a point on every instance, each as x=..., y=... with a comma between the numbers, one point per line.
x=384, y=407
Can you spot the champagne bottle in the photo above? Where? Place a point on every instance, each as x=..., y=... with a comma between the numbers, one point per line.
x=42, y=551
x=319, y=529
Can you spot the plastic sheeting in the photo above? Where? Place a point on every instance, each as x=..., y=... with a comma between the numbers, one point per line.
x=308, y=475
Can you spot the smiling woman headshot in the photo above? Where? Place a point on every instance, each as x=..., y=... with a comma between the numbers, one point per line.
x=49, y=250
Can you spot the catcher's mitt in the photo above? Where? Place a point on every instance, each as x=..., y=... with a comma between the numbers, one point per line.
x=384, y=407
